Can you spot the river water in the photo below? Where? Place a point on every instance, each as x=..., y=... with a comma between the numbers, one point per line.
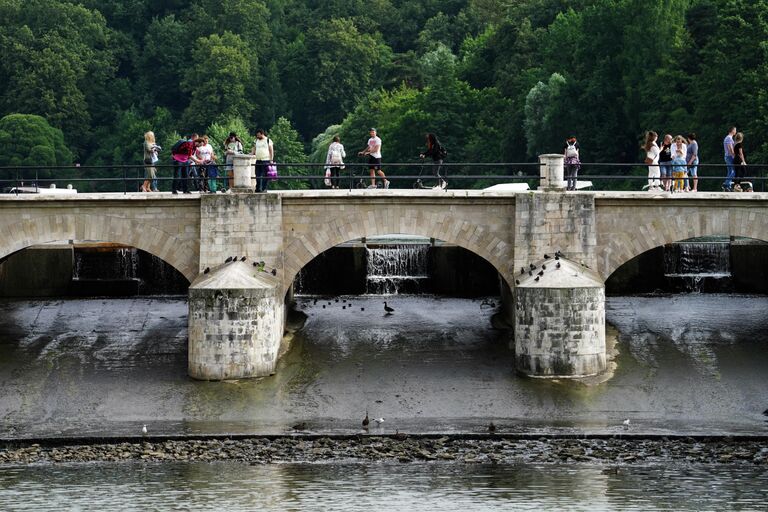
x=690, y=364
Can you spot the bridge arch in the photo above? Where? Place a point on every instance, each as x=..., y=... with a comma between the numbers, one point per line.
x=177, y=252
x=301, y=248
x=617, y=248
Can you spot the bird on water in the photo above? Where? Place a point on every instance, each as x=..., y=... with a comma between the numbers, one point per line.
x=491, y=428
x=388, y=309
x=626, y=423
x=378, y=421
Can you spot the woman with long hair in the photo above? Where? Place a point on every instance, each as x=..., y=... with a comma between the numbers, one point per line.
x=232, y=146
x=740, y=163
x=652, y=160
x=150, y=159
x=437, y=152
x=334, y=160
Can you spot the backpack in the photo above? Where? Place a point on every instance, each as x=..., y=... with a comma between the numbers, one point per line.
x=442, y=152
x=336, y=157
x=177, y=148
x=571, y=151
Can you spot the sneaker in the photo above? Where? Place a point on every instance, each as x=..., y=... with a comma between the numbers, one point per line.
x=443, y=184
x=371, y=186
x=386, y=183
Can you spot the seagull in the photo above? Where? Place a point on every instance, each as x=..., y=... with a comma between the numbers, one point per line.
x=366, y=421
x=228, y=259
x=207, y=269
x=491, y=428
x=626, y=424
x=242, y=259
x=144, y=430
x=378, y=421
x=388, y=309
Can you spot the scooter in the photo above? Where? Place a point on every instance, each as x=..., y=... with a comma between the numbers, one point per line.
x=442, y=184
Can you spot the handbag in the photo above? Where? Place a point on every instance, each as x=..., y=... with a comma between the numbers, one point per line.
x=272, y=171
x=327, y=180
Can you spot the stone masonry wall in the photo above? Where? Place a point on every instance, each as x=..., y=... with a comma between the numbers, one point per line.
x=549, y=221
x=560, y=331
x=241, y=225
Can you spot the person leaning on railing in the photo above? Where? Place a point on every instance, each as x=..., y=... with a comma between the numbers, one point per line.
x=150, y=159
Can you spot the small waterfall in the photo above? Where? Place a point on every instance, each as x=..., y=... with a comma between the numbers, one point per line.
x=394, y=269
x=696, y=266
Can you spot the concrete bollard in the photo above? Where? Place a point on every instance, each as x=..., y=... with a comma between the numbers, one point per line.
x=551, y=172
x=243, y=170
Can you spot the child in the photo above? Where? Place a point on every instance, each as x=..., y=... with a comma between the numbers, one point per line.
x=678, y=170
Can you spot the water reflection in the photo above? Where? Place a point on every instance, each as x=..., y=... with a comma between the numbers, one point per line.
x=413, y=487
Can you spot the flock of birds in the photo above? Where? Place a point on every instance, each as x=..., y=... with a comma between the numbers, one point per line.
x=388, y=310
x=260, y=265
x=532, y=267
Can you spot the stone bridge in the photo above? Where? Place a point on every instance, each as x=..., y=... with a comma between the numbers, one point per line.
x=237, y=310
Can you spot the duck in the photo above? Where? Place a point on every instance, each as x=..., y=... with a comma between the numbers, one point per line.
x=366, y=420
x=491, y=428
x=388, y=309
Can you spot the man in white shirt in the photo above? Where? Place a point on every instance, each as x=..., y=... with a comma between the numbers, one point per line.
x=373, y=150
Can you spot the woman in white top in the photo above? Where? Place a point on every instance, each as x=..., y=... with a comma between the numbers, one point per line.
x=334, y=160
x=652, y=160
x=264, y=152
x=150, y=159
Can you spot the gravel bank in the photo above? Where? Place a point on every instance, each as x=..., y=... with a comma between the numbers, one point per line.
x=366, y=449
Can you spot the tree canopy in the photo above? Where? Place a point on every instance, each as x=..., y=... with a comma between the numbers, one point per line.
x=496, y=80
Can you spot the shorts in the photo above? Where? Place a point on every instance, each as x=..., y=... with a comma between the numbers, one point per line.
x=694, y=169
x=374, y=163
x=666, y=169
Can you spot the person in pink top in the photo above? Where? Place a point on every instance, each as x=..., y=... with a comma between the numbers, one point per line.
x=181, y=152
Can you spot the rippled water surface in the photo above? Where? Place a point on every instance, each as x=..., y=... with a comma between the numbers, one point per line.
x=415, y=487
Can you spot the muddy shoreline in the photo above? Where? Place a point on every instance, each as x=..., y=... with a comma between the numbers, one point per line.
x=475, y=449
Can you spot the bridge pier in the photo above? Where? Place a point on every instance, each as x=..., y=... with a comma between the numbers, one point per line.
x=236, y=320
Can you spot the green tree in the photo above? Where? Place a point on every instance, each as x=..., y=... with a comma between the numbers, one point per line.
x=27, y=139
x=289, y=149
x=542, y=122
x=220, y=79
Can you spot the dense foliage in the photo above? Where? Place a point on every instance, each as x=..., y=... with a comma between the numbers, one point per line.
x=497, y=80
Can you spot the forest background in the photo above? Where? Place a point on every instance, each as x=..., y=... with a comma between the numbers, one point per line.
x=496, y=80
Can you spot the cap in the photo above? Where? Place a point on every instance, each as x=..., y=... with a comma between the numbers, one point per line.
x=372, y=129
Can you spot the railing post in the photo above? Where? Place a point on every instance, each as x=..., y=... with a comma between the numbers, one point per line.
x=551, y=172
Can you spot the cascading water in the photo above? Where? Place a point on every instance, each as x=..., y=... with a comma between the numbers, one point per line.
x=394, y=269
x=696, y=266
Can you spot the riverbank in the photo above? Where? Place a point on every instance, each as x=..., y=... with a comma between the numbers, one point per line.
x=403, y=449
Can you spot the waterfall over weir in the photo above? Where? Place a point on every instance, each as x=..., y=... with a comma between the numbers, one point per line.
x=695, y=266
x=395, y=269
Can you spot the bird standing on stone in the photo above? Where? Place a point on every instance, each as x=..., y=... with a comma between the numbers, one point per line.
x=537, y=279
x=491, y=428
x=558, y=265
x=626, y=424
x=228, y=259
x=144, y=430
x=366, y=421
x=388, y=309
x=207, y=269
x=546, y=256
x=242, y=259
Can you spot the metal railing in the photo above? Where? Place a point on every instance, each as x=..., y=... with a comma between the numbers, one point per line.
x=402, y=175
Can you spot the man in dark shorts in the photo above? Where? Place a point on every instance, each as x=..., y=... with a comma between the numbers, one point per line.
x=373, y=150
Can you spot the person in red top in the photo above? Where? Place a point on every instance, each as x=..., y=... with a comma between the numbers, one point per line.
x=181, y=152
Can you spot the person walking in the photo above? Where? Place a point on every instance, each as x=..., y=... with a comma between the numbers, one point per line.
x=373, y=150
x=651, y=160
x=728, y=157
x=740, y=165
x=572, y=161
x=665, y=162
x=334, y=160
x=692, y=159
x=150, y=159
x=181, y=152
x=232, y=146
x=437, y=152
x=264, y=151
